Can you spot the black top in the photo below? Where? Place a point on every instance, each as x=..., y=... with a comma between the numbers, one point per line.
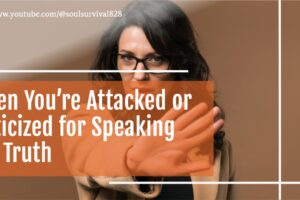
x=177, y=192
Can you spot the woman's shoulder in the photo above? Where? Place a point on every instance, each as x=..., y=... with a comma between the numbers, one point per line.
x=227, y=146
x=227, y=164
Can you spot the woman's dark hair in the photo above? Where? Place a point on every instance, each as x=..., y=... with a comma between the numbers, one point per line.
x=169, y=32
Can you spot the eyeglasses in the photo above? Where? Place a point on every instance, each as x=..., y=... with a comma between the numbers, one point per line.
x=152, y=62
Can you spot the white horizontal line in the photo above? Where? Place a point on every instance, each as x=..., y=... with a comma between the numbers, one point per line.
x=204, y=182
x=92, y=71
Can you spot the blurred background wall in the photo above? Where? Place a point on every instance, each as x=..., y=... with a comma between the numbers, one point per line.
x=239, y=40
x=291, y=97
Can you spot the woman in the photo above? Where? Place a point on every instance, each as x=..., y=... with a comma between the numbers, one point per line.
x=156, y=35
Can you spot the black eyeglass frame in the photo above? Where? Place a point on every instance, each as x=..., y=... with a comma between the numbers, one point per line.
x=143, y=60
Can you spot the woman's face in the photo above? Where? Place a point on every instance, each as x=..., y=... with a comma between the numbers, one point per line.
x=134, y=44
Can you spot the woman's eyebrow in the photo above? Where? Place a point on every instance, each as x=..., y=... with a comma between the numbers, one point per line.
x=152, y=54
x=126, y=51
x=133, y=54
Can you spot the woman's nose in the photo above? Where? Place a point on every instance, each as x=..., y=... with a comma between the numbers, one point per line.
x=140, y=76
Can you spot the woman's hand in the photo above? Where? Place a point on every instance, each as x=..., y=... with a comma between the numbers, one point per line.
x=153, y=156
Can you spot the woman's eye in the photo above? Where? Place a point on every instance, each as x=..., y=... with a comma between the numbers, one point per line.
x=155, y=59
x=126, y=57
